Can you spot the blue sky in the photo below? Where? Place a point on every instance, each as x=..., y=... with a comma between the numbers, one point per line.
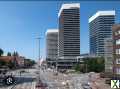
x=23, y=21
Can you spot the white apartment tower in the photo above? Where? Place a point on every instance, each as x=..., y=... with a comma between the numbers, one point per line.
x=69, y=34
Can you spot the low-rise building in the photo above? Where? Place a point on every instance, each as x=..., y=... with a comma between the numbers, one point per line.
x=20, y=61
x=116, y=49
x=17, y=60
x=108, y=55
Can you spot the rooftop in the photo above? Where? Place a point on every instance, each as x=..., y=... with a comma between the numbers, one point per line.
x=51, y=31
x=101, y=13
x=68, y=6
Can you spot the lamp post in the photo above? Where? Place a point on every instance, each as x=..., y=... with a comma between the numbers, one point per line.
x=38, y=50
x=39, y=56
x=56, y=64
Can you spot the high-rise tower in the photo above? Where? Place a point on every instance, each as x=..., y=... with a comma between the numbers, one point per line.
x=69, y=32
x=52, y=46
x=100, y=26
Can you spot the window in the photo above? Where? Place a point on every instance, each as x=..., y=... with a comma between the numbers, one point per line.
x=118, y=70
x=118, y=41
x=117, y=51
x=118, y=61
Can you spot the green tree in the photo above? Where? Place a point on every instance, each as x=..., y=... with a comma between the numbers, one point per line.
x=29, y=62
x=11, y=64
x=76, y=67
x=15, y=53
x=79, y=68
x=95, y=64
x=8, y=54
x=2, y=63
x=1, y=52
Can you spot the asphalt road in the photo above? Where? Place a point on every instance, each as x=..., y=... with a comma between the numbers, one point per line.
x=24, y=81
x=29, y=79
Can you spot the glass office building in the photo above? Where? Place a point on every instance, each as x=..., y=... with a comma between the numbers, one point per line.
x=69, y=30
x=100, y=26
x=69, y=33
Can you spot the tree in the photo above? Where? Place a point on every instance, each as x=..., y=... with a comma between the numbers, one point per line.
x=15, y=53
x=29, y=62
x=95, y=64
x=91, y=65
x=79, y=68
x=2, y=63
x=11, y=64
x=8, y=54
x=76, y=67
x=1, y=52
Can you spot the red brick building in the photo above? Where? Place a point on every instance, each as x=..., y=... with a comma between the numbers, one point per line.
x=116, y=49
x=18, y=60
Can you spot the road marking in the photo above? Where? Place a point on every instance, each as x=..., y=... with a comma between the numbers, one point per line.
x=33, y=86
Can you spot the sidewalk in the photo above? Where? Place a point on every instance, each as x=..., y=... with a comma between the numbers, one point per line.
x=102, y=85
x=98, y=83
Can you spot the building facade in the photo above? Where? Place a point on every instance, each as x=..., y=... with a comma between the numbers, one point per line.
x=100, y=26
x=116, y=49
x=108, y=49
x=51, y=46
x=69, y=34
x=18, y=61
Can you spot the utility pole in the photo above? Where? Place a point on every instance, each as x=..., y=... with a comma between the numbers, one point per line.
x=38, y=58
x=86, y=67
x=38, y=50
x=56, y=63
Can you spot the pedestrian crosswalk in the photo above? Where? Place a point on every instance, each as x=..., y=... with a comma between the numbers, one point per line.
x=25, y=81
x=29, y=85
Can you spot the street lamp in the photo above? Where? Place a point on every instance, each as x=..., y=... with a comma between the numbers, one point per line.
x=38, y=57
x=38, y=50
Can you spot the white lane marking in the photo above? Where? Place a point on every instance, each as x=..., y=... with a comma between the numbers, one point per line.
x=33, y=85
